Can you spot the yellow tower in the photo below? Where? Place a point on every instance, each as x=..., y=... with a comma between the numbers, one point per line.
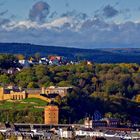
x=51, y=114
x=1, y=93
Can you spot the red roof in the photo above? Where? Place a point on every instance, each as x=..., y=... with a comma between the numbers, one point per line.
x=52, y=58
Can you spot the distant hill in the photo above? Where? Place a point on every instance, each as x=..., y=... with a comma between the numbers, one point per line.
x=109, y=55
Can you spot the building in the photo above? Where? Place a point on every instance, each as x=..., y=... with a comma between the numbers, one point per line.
x=16, y=93
x=66, y=133
x=88, y=123
x=105, y=122
x=53, y=58
x=44, y=61
x=62, y=91
x=51, y=114
x=24, y=63
x=99, y=123
x=138, y=98
x=88, y=132
x=12, y=94
x=112, y=122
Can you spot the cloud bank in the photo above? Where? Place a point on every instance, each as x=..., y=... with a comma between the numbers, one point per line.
x=72, y=29
x=65, y=31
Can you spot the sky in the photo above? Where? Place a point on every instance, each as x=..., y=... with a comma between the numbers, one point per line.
x=71, y=23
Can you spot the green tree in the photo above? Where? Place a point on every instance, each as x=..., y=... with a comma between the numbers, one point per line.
x=7, y=61
x=25, y=77
x=37, y=56
x=41, y=71
x=108, y=115
x=64, y=83
x=4, y=79
x=32, y=85
x=112, y=87
x=20, y=56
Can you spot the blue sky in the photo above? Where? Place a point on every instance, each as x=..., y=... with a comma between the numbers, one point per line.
x=76, y=23
x=20, y=8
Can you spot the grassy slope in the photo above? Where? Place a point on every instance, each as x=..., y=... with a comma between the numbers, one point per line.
x=31, y=103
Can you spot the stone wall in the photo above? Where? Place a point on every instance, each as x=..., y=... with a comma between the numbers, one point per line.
x=33, y=95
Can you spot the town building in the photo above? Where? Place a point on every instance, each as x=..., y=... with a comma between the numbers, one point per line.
x=105, y=122
x=24, y=63
x=53, y=58
x=99, y=123
x=66, y=133
x=88, y=132
x=112, y=122
x=88, y=123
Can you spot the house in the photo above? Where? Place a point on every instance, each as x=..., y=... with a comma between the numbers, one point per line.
x=33, y=61
x=88, y=123
x=55, y=60
x=44, y=61
x=52, y=58
x=24, y=63
x=13, y=70
x=66, y=132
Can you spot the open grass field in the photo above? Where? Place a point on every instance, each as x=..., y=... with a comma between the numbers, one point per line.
x=23, y=111
x=30, y=103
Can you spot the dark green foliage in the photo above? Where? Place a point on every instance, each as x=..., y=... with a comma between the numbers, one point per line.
x=7, y=61
x=103, y=87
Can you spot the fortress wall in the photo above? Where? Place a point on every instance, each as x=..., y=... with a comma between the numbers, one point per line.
x=38, y=96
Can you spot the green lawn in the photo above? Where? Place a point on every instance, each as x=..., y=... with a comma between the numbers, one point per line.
x=38, y=102
x=30, y=103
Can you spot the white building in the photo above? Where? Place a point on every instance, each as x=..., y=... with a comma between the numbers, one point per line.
x=66, y=132
x=88, y=133
x=88, y=123
x=24, y=63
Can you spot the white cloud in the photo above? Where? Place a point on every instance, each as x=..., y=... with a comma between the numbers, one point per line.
x=67, y=31
x=57, y=22
x=21, y=25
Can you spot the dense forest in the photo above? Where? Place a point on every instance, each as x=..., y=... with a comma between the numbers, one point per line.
x=110, y=89
x=126, y=55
